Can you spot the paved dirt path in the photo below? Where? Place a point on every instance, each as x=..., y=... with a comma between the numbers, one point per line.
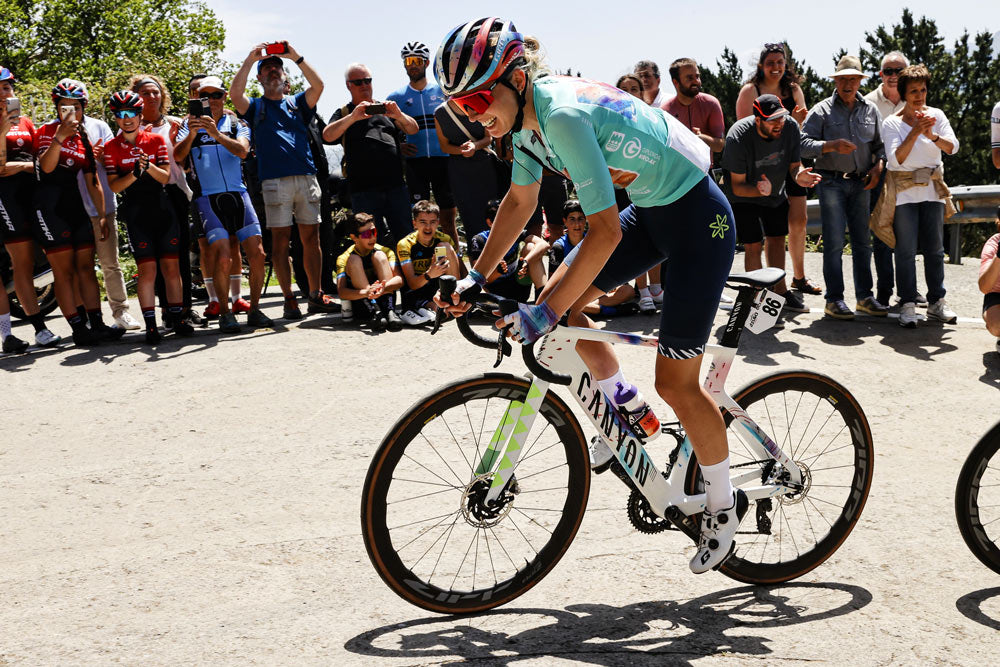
x=199, y=504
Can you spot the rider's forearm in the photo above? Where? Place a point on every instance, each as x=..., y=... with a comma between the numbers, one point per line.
x=595, y=249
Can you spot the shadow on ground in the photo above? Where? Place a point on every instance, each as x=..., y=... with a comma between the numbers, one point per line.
x=722, y=622
x=971, y=606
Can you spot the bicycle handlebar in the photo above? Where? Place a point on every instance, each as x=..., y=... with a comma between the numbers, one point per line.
x=446, y=285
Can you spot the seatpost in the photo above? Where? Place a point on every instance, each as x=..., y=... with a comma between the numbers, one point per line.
x=738, y=317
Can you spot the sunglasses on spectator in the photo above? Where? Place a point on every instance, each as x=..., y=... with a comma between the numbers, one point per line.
x=215, y=96
x=892, y=71
x=360, y=82
x=413, y=60
x=126, y=113
x=368, y=233
x=774, y=47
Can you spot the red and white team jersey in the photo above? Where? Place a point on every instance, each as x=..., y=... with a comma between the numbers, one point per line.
x=72, y=156
x=21, y=141
x=120, y=156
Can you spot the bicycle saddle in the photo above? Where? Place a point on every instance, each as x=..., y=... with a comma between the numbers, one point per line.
x=760, y=278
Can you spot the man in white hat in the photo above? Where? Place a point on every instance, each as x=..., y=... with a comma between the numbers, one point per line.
x=842, y=134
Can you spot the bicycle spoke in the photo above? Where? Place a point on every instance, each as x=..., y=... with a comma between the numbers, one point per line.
x=805, y=429
x=459, y=446
x=426, y=495
x=407, y=456
x=414, y=523
x=459, y=570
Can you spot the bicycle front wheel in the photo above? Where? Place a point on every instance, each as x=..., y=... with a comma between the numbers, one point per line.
x=821, y=427
x=977, y=500
x=426, y=524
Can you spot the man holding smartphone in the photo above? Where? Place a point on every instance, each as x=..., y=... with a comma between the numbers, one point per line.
x=371, y=132
x=285, y=165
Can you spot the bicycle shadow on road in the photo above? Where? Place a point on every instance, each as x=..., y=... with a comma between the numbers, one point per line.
x=991, y=369
x=606, y=635
x=971, y=606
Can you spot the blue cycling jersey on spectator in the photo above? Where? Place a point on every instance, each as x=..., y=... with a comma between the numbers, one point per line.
x=280, y=136
x=215, y=168
x=420, y=105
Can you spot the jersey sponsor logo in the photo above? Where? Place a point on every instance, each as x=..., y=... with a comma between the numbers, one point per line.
x=632, y=148
x=719, y=226
x=70, y=162
x=649, y=157
x=605, y=95
x=614, y=142
x=584, y=184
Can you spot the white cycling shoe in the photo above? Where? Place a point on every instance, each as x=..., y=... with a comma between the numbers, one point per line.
x=717, y=532
x=600, y=455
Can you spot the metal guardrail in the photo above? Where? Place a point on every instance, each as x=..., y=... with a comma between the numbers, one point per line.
x=975, y=204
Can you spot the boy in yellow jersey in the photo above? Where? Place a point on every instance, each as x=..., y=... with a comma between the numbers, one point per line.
x=424, y=256
x=367, y=277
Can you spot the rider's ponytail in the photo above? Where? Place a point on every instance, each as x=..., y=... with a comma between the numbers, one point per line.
x=534, y=59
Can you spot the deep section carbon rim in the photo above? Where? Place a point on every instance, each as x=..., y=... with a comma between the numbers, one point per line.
x=977, y=500
x=427, y=526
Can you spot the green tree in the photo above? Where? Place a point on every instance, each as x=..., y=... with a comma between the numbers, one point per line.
x=102, y=43
x=724, y=83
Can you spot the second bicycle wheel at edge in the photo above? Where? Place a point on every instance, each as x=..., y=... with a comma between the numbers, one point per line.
x=424, y=532
x=820, y=425
x=977, y=500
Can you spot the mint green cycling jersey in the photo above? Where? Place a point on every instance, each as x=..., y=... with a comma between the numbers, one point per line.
x=602, y=138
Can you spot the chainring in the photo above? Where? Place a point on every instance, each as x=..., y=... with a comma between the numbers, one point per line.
x=642, y=516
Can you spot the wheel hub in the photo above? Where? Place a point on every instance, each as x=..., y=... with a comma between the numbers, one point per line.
x=798, y=495
x=476, y=511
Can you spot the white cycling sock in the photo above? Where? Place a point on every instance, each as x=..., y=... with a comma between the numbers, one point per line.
x=655, y=290
x=718, y=486
x=235, y=286
x=644, y=292
x=610, y=385
x=210, y=288
x=4, y=326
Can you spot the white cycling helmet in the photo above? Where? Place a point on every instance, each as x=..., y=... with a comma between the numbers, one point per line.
x=416, y=50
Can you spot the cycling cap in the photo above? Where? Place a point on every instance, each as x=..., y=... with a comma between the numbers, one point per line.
x=476, y=54
x=69, y=89
x=6, y=75
x=415, y=49
x=125, y=99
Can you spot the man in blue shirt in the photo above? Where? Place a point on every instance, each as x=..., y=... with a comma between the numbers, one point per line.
x=285, y=164
x=426, y=163
x=218, y=143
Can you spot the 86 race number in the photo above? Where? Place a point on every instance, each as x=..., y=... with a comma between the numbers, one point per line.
x=764, y=312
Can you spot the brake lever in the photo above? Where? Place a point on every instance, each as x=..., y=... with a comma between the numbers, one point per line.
x=440, y=315
x=504, y=349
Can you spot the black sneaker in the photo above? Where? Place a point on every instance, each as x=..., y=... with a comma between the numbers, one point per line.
x=153, y=336
x=291, y=311
x=258, y=320
x=13, y=344
x=379, y=323
x=393, y=322
x=106, y=333
x=322, y=303
x=794, y=303
x=838, y=310
x=85, y=337
x=183, y=328
x=195, y=319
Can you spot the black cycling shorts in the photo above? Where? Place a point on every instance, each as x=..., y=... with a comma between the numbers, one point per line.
x=152, y=227
x=424, y=174
x=227, y=214
x=420, y=297
x=17, y=208
x=754, y=222
x=990, y=299
x=694, y=239
x=62, y=221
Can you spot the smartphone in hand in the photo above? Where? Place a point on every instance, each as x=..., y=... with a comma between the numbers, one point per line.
x=276, y=48
x=13, y=109
x=198, y=107
x=375, y=109
x=440, y=252
x=66, y=114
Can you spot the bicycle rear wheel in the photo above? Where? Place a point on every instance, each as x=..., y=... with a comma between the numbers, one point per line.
x=822, y=428
x=977, y=500
x=425, y=524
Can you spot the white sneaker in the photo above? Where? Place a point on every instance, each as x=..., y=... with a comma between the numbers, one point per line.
x=657, y=298
x=600, y=455
x=412, y=319
x=424, y=312
x=646, y=305
x=725, y=298
x=908, y=315
x=125, y=320
x=346, y=311
x=939, y=310
x=717, y=532
x=46, y=338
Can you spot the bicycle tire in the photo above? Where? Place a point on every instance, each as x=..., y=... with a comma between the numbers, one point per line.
x=401, y=465
x=815, y=395
x=968, y=505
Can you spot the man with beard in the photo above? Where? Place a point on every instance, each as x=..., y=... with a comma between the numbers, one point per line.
x=371, y=133
x=700, y=112
x=426, y=163
x=759, y=151
x=285, y=165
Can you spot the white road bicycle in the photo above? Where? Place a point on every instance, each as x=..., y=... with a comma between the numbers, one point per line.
x=478, y=490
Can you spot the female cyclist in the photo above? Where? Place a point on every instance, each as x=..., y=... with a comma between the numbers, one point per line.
x=138, y=165
x=601, y=137
x=64, y=149
x=17, y=190
x=775, y=75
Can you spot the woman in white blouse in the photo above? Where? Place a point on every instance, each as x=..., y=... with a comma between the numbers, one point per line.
x=914, y=139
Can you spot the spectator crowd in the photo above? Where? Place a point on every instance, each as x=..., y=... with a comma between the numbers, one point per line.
x=230, y=178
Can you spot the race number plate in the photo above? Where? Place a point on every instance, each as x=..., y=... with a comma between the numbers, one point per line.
x=764, y=312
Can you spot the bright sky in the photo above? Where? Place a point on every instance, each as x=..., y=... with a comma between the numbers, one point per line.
x=588, y=37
